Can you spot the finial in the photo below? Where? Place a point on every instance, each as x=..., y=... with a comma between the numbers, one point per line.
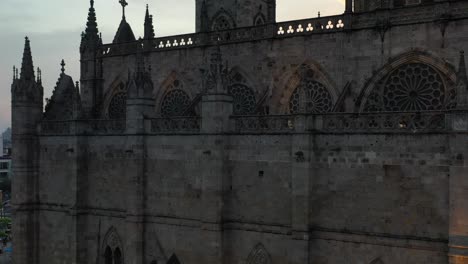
x=124, y=4
x=14, y=72
x=319, y=14
x=77, y=85
x=92, y=3
x=63, y=66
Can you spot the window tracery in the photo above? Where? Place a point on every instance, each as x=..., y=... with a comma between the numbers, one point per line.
x=175, y=103
x=310, y=96
x=244, y=101
x=221, y=23
x=112, y=248
x=259, y=255
x=411, y=87
x=118, y=106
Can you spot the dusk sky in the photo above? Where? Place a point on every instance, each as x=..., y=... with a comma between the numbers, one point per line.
x=54, y=28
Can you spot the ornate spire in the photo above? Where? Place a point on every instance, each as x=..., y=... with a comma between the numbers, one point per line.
x=27, y=68
x=149, y=28
x=90, y=38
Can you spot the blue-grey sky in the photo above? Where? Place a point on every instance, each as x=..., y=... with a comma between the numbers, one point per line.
x=54, y=28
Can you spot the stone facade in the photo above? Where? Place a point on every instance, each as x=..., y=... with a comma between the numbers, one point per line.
x=336, y=139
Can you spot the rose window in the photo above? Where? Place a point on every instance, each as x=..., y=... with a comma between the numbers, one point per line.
x=117, y=106
x=175, y=103
x=243, y=99
x=414, y=87
x=310, y=97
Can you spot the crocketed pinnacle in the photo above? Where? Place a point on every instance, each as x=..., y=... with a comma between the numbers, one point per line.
x=91, y=25
x=149, y=28
x=27, y=68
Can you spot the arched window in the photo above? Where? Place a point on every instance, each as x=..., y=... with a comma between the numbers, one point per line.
x=117, y=256
x=108, y=256
x=410, y=87
x=310, y=96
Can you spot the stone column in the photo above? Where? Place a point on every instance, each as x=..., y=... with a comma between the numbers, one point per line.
x=136, y=174
x=300, y=175
x=216, y=110
x=458, y=184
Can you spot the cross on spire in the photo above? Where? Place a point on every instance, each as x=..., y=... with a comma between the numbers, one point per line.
x=124, y=4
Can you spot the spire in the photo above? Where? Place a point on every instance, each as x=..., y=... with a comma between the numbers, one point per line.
x=90, y=38
x=27, y=68
x=91, y=25
x=149, y=28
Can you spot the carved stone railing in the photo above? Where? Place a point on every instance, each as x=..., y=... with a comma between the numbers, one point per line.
x=416, y=122
x=76, y=127
x=378, y=20
x=106, y=126
x=263, y=124
x=268, y=31
x=174, y=125
x=311, y=26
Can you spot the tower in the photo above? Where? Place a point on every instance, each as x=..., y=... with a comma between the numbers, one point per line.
x=91, y=92
x=27, y=104
x=214, y=15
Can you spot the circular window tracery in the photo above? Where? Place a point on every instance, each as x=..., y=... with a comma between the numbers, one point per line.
x=117, y=106
x=310, y=97
x=221, y=23
x=244, y=101
x=175, y=103
x=411, y=87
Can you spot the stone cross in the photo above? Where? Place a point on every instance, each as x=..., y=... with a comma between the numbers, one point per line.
x=124, y=4
x=63, y=66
